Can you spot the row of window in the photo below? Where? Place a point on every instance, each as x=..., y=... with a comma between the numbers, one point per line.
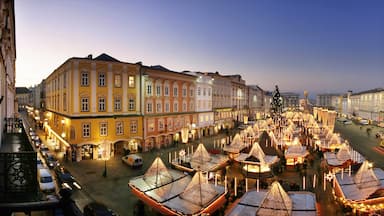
x=159, y=107
x=103, y=128
x=84, y=101
x=203, y=91
x=102, y=81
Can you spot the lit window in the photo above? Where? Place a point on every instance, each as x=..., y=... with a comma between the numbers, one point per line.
x=84, y=104
x=161, y=125
x=86, y=130
x=84, y=79
x=118, y=80
x=131, y=81
x=119, y=128
x=103, y=129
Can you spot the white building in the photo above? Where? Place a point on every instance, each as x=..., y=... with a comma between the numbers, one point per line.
x=256, y=101
x=7, y=62
x=367, y=104
x=203, y=103
x=221, y=101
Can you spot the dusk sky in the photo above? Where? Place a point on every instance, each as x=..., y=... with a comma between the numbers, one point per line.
x=320, y=46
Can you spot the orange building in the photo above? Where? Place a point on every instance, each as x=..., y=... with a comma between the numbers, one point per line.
x=93, y=107
x=169, y=107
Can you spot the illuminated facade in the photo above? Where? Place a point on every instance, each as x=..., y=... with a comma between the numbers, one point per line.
x=221, y=101
x=256, y=97
x=168, y=106
x=367, y=104
x=239, y=98
x=93, y=109
x=7, y=64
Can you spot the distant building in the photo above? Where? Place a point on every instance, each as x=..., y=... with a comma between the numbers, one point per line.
x=329, y=101
x=256, y=101
x=290, y=100
x=23, y=96
x=367, y=104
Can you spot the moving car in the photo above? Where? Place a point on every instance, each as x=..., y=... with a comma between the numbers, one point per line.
x=133, y=160
x=65, y=179
x=45, y=179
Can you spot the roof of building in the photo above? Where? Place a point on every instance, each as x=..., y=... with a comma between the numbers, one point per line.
x=375, y=90
x=22, y=90
x=106, y=57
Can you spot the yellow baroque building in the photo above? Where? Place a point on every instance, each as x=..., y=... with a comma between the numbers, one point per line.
x=93, y=108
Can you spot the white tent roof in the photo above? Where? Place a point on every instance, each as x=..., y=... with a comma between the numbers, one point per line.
x=201, y=154
x=236, y=145
x=257, y=152
x=199, y=191
x=343, y=154
x=351, y=185
x=276, y=202
x=291, y=203
x=157, y=174
x=365, y=177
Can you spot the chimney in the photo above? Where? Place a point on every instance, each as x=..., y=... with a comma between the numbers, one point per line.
x=90, y=56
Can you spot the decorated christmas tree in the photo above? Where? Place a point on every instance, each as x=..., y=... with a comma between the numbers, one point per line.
x=277, y=103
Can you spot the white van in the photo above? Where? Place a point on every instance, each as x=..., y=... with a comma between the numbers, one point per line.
x=133, y=160
x=46, y=182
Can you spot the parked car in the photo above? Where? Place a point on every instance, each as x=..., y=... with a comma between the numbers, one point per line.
x=98, y=209
x=43, y=150
x=51, y=161
x=45, y=179
x=347, y=122
x=133, y=160
x=65, y=178
x=364, y=122
x=39, y=163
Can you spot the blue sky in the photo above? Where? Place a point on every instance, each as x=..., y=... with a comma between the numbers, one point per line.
x=321, y=46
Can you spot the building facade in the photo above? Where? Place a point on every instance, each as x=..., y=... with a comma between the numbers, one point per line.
x=367, y=104
x=8, y=107
x=290, y=100
x=256, y=101
x=93, y=109
x=329, y=101
x=239, y=98
x=169, y=107
x=23, y=97
x=221, y=101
